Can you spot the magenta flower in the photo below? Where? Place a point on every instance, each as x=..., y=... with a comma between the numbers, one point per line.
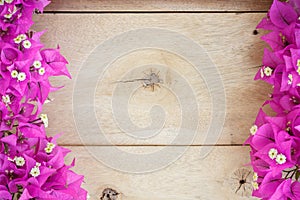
x=31, y=164
x=275, y=140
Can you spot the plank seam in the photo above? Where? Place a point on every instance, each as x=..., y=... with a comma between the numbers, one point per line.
x=152, y=12
x=154, y=145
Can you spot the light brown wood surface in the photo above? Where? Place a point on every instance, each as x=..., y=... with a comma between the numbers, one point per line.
x=225, y=31
x=191, y=178
x=157, y=5
x=228, y=41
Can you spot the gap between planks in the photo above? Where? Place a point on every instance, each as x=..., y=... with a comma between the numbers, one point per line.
x=159, y=5
x=150, y=12
x=155, y=145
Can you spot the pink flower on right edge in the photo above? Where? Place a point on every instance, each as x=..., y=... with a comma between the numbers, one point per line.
x=275, y=140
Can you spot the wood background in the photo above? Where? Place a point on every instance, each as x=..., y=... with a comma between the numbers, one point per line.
x=224, y=29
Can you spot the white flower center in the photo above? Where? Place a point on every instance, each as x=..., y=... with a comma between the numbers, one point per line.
x=35, y=171
x=26, y=44
x=253, y=129
x=44, y=119
x=20, y=161
x=42, y=71
x=50, y=147
x=255, y=176
x=268, y=71
x=37, y=64
x=6, y=99
x=273, y=153
x=280, y=159
x=8, y=16
x=21, y=76
x=255, y=185
x=14, y=73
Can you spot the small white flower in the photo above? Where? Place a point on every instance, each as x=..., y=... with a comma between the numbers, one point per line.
x=253, y=129
x=44, y=119
x=18, y=40
x=50, y=144
x=255, y=185
x=37, y=164
x=298, y=62
x=35, y=171
x=273, y=153
x=21, y=76
x=14, y=73
x=22, y=37
x=8, y=16
x=26, y=44
x=290, y=81
x=8, y=1
x=280, y=159
x=37, y=64
x=42, y=71
x=1, y=2
x=255, y=176
x=50, y=147
x=268, y=71
x=6, y=99
x=20, y=161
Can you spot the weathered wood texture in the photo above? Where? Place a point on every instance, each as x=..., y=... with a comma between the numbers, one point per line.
x=227, y=39
x=214, y=177
x=158, y=5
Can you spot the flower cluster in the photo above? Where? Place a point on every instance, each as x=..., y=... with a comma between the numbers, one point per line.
x=31, y=164
x=275, y=140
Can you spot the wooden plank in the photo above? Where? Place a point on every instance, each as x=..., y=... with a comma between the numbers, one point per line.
x=227, y=39
x=157, y=5
x=190, y=177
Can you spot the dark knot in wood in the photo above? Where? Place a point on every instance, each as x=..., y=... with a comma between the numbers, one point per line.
x=109, y=194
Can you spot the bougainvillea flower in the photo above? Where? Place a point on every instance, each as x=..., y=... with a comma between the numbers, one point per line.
x=282, y=14
x=31, y=163
x=275, y=137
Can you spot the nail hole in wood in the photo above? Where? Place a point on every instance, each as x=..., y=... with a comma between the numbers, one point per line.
x=109, y=194
x=255, y=32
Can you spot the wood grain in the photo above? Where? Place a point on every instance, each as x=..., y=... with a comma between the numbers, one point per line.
x=80, y=26
x=216, y=176
x=227, y=39
x=157, y=5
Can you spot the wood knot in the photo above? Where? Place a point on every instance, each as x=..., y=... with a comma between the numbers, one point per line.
x=151, y=80
x=240, y=182
x=109, y=194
